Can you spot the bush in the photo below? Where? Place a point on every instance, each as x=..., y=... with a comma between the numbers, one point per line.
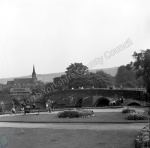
x=136, y=116
x=85, y=113
x=142, y=140
x=75, y=113
x=70, y=114
x=147, y=111
x=128, y=110
x=129, y=84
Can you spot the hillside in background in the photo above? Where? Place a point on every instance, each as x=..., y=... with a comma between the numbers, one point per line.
x=49, y=77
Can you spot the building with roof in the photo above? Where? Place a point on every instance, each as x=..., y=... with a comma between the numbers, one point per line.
x=2, y=86
x=23, y=82
x=20, y=91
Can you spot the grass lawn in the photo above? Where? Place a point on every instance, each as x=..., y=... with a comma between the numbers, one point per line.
x=60, y=138
x=100, y=117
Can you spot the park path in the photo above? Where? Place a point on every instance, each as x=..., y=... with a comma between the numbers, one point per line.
x=95, y=110
x=91, y=126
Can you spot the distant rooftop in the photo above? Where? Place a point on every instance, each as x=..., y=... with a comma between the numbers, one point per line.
x=20, y=90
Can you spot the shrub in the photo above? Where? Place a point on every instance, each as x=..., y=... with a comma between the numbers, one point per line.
x=85, y=113
x=75, y=113
x=147, y=111
x=70, y=114
x=136, y=116
x=142, y=140
x=128, y=110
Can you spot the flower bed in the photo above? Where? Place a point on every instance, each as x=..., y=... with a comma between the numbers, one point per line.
x=142, y=140
x=128, y=110
x=133, y=115
x=75, y=113
x=136, y=116
x=147, y=111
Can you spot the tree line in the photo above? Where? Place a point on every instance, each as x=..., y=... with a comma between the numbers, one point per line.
x=136, y=74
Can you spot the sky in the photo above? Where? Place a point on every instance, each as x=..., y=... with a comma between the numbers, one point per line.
x=52, y=34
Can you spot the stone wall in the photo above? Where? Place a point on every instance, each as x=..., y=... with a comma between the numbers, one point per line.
x=70, y=98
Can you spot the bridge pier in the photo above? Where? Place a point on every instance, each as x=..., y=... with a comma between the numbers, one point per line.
x=96, y=97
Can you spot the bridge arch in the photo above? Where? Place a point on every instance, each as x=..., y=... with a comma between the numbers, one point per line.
x=79, y=102
x=134, y=104
x=101, y=102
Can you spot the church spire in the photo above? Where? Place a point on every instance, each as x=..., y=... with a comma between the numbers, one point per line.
x=34, y=73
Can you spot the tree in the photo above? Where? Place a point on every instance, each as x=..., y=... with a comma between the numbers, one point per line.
x=142, y=66
x=77, y=75
x=129, y=84
x=49, y=87
x=77, y=69
x=99, y=80
x=38, y=87
x=103, y=80
x=123, y=75
x=61, y=83
x=83, y=81
x=5, y=90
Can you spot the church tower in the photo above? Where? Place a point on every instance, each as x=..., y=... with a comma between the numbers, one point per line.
x=34, y=75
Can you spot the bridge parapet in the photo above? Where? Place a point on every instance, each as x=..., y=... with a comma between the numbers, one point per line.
x=71, y=97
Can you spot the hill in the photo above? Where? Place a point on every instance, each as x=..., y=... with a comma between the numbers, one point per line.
x=49, y=77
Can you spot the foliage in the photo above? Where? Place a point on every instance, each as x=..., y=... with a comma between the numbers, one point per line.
x=74, y=73
x=129, y=84
x=48, y=87
x=81, y=82
x=85, y=113
x=69, y=114
x=136, y=116
x=69, y=79
x=142, y=66
x=128, y=110
x=75, y=113
x=142, y=140
x=76, y=69
x=15, y=101
x=5, y=90
x=147, y=111
x=124, y=75
x=77, y=75
x=102, y=79
x=99, y=80
x=38, y=87
x=61, y=83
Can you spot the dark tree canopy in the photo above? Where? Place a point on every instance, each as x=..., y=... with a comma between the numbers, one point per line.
x=99, y=80
x=103, y=80
x=127, y=78
x=142, y=66
x=77, y=69
x=38, y=87
x=124, y=75
x=77, y=75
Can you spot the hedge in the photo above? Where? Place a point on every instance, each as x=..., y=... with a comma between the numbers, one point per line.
x=75, y=113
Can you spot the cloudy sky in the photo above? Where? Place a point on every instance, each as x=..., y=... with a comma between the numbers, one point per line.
x=51, y=34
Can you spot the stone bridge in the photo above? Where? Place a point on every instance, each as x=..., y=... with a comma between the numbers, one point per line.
x=96, y=97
